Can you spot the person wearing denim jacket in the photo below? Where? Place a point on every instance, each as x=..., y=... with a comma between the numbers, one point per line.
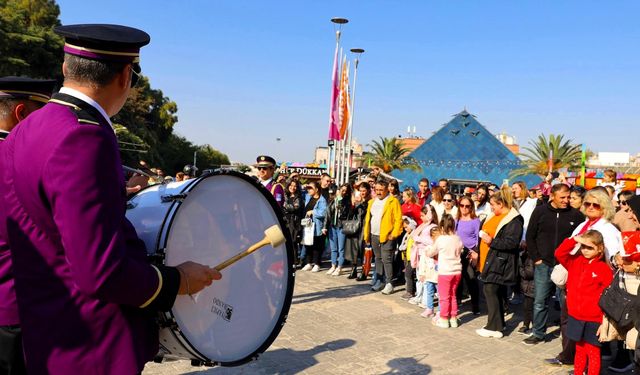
x=315, y=208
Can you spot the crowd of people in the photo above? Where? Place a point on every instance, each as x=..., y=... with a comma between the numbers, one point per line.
x=504, y=248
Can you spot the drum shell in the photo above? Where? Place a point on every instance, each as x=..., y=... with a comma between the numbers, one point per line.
x=153, y=212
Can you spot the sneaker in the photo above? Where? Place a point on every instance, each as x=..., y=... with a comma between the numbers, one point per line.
x=427, y=313
x=488, y=333
x=377, y=286
x=440, y=322
x=388, y=289
x=333, y=268
x=524, y=331
x=373, y=282
x=532, y=340
x=316, y=268
x=307, y=267
x=621, y=368
x=453, y=322
x=555, y=362
x=406, y=296
x=415, y=300
x=336, y=272
x=422, y=305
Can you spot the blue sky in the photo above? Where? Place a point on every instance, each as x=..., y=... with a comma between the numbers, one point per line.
x=245, y=73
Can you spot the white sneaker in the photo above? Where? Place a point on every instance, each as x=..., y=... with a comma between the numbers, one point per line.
x=415, y=300
x=337, y=271
x=388, y=289
x=307, y=267
x=316, y=268
x=453, y=322
x=333, y=268
x=488, y=333
x=440, y=322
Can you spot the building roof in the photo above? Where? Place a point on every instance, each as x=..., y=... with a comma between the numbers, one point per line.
x=463, y=149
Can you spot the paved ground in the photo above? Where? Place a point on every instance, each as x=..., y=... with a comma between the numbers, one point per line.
x=338, y=326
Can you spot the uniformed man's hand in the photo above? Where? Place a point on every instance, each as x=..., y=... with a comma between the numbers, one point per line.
x=194, y=277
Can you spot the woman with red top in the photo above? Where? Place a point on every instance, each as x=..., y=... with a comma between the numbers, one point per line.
x=410, y=206
x=588, y=276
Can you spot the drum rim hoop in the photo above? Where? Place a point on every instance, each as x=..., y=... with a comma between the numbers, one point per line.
x=288, y=296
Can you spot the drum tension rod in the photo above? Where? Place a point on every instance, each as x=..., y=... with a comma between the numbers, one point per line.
x=173, y=197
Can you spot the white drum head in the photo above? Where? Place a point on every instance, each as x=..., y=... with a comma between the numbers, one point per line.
x=240, y=315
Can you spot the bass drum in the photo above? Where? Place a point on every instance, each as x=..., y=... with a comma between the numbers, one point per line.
x=208, y=220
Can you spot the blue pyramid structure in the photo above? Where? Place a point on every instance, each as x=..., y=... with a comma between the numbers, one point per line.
x=463, y=149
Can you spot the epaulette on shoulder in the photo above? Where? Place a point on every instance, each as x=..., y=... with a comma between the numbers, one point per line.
x=85, y=118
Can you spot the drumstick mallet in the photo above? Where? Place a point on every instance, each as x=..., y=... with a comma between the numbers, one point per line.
x=272, y=236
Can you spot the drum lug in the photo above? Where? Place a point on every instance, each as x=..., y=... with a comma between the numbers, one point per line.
x=173, y=198
x=131, y=205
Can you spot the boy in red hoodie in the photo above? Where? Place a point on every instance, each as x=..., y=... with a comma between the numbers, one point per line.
x=589, y=275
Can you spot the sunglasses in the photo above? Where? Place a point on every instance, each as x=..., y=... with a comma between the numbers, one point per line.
x=597, y=206
x=263, y=168
x=465, y=206
x=135, y=76
x=447, y=200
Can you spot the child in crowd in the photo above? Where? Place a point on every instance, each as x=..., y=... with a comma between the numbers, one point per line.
x=588, y=276
x=428, y=275
x=448, y=248
x=421, y=239
x=405, y=248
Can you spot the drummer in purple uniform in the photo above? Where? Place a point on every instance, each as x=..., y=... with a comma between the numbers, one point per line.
x=86, y=293
x=266, y=168
x=19, y=97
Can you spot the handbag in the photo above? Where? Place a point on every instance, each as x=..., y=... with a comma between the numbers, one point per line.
x=617, y=303
x=559, y=276
x=308, y=233
x=351, y=227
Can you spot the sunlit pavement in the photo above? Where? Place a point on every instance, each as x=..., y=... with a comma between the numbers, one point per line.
x=339, y=326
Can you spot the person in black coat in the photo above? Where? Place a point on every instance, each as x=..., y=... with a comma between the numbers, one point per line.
x=354, y=247
x=501, y=264
x=293, y=208
x=527, y=286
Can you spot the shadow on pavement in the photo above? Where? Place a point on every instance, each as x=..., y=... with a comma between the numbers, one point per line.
x=406, y=366
x=337, y=292
x=281, y=361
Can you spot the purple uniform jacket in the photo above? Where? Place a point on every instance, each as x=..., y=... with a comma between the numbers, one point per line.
x=8, y=306
x=85, y=290
x=277, y=191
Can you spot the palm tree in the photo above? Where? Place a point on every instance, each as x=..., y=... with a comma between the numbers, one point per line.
x=536, y=155
x=389, y=155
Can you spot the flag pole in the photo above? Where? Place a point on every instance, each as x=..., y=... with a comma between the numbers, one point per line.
x=358, y=52
x=338, y=22
x=346, y=146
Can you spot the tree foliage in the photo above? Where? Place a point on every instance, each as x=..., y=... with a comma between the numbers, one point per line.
x=389, y=155
x=28, y=45
x=536, y=156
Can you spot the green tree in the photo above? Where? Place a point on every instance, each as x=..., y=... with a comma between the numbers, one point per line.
x=536, y=156
x=28, y=45
x=389, y=155
x=209, y=158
